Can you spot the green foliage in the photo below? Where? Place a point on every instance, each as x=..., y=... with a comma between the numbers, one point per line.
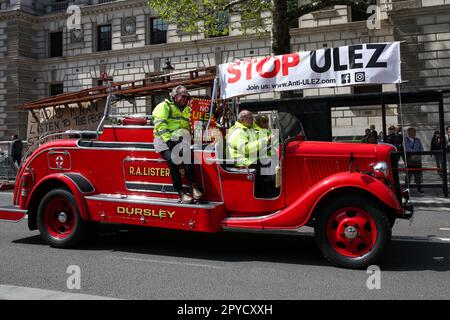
x=213, y=16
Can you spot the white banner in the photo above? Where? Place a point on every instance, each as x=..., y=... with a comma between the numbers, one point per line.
x=372, y=63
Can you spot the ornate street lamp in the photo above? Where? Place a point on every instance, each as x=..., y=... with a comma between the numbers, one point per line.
x=168, y=68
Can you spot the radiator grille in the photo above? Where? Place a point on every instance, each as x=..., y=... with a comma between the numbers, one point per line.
x=319, y=169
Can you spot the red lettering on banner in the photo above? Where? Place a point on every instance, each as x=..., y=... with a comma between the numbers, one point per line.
x=235, y=72
x=249, y=71
x=270, y=74
x=293, y=63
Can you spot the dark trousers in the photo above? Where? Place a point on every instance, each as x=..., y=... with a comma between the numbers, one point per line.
x=418, y=176
x=16, y=158
x=175, y=171
x=438, y=158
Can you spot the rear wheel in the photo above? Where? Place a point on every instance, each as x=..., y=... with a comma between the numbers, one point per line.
x=352, y=232
x=60, y=223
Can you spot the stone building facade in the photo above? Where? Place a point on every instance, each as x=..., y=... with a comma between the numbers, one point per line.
x=31, y=67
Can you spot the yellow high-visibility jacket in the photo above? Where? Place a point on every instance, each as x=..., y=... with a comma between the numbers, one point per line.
x=169, y=120
x=243, y=144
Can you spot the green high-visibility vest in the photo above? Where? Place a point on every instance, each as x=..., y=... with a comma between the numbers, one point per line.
x=169, y=120
x=243, y=144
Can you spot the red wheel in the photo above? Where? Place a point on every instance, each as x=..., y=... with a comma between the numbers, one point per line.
x=352, y=231
x=59, y=220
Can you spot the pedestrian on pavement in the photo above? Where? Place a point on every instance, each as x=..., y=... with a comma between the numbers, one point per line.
x=373, y=135
x=399, y=142
x=447, y=145
x=414, y=162
x=365, y=139
x=391, y=136
x=436, y=146
x=16, y=149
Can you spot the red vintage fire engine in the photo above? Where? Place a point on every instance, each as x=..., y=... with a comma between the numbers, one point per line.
x=345, y=191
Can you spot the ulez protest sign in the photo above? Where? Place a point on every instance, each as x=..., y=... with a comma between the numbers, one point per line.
x=372, y=63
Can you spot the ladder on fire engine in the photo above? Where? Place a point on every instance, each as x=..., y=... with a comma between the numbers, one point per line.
x=192, y=79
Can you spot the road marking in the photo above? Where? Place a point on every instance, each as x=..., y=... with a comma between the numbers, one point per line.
x=173, y=263
x=444, y=229
x=24, y=293
x=431, y=208
x=421, y=239
x=442, y=239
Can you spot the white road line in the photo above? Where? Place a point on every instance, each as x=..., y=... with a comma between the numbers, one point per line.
x=8, y=292
x=444, y=229
x=442, y=239
x=173, y=263
x=421, y=239
x=430, y=208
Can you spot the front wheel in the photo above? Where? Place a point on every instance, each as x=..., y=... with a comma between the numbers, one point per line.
x=59, y=220
x=352, y=232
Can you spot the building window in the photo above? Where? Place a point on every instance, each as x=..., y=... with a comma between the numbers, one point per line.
x=104, y=37
x=359, y=12
x=220, y=25
x=368, y=89
x=56, y=44
x=158, y=31
x=59, y=6
x=4, y=4
x=56, y=88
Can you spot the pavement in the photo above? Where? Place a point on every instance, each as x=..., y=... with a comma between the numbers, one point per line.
x=8, y=292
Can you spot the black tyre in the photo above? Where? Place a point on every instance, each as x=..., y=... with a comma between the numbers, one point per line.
x=59, y=220
x=352, y=231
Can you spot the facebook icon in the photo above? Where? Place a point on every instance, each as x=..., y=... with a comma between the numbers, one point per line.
x=345, y=78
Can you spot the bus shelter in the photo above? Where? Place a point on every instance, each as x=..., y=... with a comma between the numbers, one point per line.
x=315, y=115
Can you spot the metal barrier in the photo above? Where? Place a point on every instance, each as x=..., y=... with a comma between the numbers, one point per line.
x=8, y=170
x=440, y=180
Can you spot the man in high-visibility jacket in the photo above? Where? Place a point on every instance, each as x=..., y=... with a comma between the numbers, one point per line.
x=244, y=145
x=261, y=123
x=261, y=126
x=172, y=122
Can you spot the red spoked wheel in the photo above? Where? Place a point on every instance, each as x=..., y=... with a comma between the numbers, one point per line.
x=59, y=220
x=352, y=231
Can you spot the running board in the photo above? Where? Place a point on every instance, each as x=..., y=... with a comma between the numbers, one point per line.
x=251, y=222
x=156, y=212
x=12, y=214
x=152, y=201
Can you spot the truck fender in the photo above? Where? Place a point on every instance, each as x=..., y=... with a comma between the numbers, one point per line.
x=300, y=211
x=78, y=185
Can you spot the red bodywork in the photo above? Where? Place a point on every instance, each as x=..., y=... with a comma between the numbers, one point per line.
x=119, y=178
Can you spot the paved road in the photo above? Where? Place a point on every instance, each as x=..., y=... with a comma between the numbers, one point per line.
x=159, y=264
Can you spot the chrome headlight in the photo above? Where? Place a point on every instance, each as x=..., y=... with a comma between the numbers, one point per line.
x=380, y=169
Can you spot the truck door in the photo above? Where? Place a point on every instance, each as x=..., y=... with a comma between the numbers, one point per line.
x=252, y=191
